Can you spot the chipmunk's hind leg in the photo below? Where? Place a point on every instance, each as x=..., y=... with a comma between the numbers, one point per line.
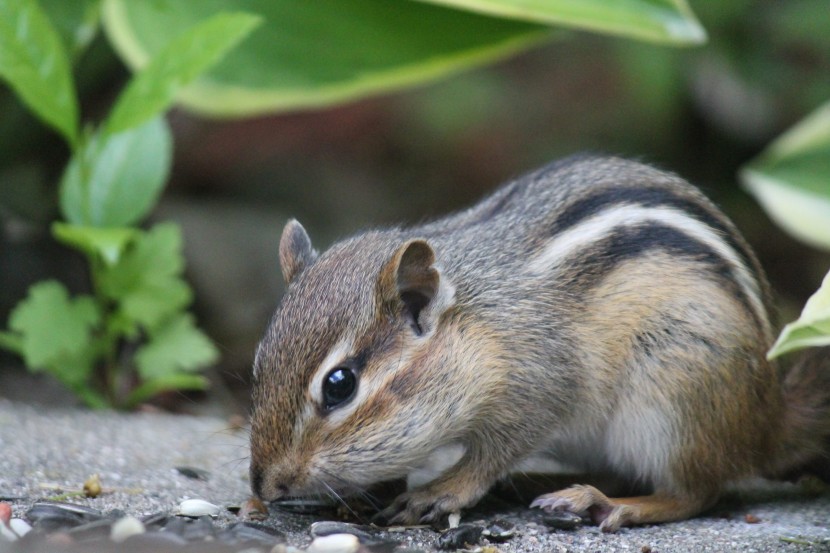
x=613, y=513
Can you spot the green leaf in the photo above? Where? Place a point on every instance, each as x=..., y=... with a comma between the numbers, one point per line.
x=34, y=62
x=146, y=281
x=175, y=347
x=790, y=179
x=811, y=329
x=54, y=328
x=178, y=381
x=154, y=88
x=108, y=243
x=115, y=180
x=310, y=54
x=11, y=342
x=669, y=21
x=76, y=21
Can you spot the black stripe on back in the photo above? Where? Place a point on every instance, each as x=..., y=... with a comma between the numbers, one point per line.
x=648, y=197
x=630, y=242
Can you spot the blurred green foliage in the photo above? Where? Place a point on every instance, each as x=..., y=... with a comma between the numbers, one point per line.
x=707, y=109
x=130, y=338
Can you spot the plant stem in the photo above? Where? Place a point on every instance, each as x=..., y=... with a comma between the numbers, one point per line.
x=108, y=340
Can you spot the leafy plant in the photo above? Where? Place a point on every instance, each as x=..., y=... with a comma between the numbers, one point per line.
x=312, y=54
x=791, y=180
x=131, y=337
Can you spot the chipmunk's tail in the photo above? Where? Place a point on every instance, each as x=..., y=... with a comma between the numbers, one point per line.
x=806, y=425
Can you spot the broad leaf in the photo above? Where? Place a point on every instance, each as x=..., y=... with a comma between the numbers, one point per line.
x=669, y=21
x=108, y=243
x=791, y=179
x=177, y=346
x=54, y=328
x=811, y=329
x=309, y=54
x=76, y=21
x=35, y=64
x=115, y=180
x=146, y=282
x=154, y=88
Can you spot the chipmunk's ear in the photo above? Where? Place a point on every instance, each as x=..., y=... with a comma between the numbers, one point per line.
x=296, y=252
x=411, y=279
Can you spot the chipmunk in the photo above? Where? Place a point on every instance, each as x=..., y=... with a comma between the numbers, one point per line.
x=597, y=311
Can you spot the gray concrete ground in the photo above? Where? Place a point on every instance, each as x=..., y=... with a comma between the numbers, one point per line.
x=45, y=452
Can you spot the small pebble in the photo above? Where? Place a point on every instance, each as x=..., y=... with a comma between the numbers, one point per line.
x=562, y=520
x=464, y=536
x=752, y=519
x=5, y=513
x=6, y=534
x=334, y=543
x=196, y=508
x=125, y=527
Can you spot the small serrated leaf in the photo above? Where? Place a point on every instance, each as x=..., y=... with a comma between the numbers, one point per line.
x=175, y=347
x=105, y=242
x=146, y=281
x=53, y=327
x=34, y=62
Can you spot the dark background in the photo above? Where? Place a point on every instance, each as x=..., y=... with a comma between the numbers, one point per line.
x=701, y=112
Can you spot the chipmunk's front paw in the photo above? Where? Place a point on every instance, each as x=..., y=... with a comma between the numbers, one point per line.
x=420, y=506
x=588, y=500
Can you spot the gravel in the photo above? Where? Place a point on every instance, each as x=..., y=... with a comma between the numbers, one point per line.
x=48, y=454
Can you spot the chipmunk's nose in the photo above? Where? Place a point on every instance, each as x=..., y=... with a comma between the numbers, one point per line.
x=268, y=485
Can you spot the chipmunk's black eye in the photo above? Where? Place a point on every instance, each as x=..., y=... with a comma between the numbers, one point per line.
x=339, y=386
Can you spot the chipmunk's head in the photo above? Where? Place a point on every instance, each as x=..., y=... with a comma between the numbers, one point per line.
x=339, y=401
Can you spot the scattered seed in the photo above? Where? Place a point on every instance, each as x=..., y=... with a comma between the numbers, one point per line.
x=196, y=508
x=125, y=527
x=193, y=473
x=499, y=531
x=562, y=520
x=328, y=528
x=5, y=513
x=464, y=536
x=645, y=549
x=303, y=506
x=251, y=533
x=50, y=516
x=92, y=486
x=199, y=529
x=334, y=543
x=91, y=531
x=752, y=519
x=454, y=520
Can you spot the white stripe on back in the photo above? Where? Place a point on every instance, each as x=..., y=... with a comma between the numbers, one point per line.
x=576, y=239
